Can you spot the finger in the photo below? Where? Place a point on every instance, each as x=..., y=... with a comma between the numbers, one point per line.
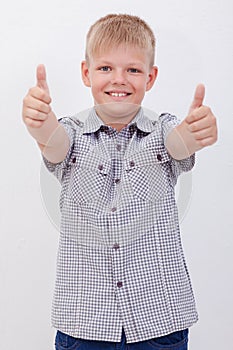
x=35, y=114
x=33, y=123
x=40, y=94
x=204, y=134
x=34, y=103
x=198, y=97
x=208, y=141
x=200, y=124
x=198, y=114
x=41, y=78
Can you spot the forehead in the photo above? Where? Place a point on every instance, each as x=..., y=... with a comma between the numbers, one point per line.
x=122, y=53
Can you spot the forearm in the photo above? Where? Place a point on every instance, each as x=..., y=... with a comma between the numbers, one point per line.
x=52, y=139
x=180, y=144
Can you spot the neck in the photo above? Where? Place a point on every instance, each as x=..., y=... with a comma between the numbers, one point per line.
x=117, y=115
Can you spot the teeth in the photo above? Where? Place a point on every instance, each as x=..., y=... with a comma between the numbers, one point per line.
x=118, y=94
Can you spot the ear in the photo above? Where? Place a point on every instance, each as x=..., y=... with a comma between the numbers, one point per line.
x=85, y=73
x=151, y=77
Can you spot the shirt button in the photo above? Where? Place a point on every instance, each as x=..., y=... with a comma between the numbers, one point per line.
x=100, y=167
x=104, y=128
x=74, y=160
x=118, y=147
x=159, y=157
x=119, y=284
x=132, y=127
x=117, y=181
x=131, y=163
x=116, y=246
x=113, y=209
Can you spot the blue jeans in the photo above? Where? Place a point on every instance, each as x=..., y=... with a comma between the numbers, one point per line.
x=174, y=341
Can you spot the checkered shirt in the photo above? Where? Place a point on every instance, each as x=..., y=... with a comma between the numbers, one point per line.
x=120, y=260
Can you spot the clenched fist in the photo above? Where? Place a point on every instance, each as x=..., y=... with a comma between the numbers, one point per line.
x=42, y=123
x=36, y=104
x=197, y=130
x=201, y=122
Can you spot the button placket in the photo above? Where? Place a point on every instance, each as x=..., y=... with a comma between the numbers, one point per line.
x=117, y=266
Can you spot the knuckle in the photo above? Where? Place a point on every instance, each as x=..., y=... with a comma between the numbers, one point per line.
x=207, y=109
x=202, y=143
x=49, y=99
x=42, y=106
x=192, y=116
x=45, y=97
x=37, y=115
x=25, y=101
x=42, y=94
x=38, y=124
x=28, y=121
x=32, y=123
x=31, y=91
x=194, y=127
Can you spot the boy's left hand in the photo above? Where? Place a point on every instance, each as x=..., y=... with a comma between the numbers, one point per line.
x=196, y=131
x=200, y=122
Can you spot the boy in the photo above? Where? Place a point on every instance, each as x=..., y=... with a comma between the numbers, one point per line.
x=122, y=281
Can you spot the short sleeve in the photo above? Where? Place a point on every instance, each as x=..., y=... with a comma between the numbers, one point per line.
x=59, y=169
x=169, y=122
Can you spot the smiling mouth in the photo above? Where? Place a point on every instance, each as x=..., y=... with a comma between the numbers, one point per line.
x=118, y=94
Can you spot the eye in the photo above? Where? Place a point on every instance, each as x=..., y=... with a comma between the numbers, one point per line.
x=133, y=70
x=105, y=69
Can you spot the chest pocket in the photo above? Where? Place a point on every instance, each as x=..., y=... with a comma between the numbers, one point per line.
x=90, y=179
x=147, y=174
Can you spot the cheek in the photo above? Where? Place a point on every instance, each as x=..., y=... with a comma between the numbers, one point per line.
x=98, y=83
x=141, y=88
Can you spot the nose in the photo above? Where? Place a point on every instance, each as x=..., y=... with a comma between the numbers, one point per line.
x=118, y=76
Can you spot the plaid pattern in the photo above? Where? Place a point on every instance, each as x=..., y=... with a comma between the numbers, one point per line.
x=120, y=260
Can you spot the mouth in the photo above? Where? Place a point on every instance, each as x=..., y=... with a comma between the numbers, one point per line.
x=118, y=93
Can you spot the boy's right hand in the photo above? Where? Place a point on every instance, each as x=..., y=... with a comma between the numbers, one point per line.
x=36, y=104
x=42, y=123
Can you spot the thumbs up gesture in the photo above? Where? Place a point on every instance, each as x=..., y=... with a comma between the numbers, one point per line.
x=200, y=122
x=42, y=123
x=36, y=104
x=197, y=130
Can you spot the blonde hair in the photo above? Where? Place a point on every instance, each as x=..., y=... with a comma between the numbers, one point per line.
x=116, y=29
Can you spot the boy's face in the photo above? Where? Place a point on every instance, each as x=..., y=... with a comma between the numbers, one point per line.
x=119, y=79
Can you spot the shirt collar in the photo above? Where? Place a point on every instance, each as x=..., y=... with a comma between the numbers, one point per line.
x=142, y=122
x=92, y=123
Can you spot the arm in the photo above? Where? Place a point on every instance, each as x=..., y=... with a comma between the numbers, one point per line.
x=196, y=131
x=42, y=123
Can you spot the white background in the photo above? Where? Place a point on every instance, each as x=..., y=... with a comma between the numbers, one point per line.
x=194, y=44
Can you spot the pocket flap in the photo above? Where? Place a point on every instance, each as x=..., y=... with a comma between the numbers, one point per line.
x=146, y=157
x=92, y=162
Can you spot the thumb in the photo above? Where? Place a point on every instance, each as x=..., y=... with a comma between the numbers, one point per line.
x=198, y=97
x=41, y=78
